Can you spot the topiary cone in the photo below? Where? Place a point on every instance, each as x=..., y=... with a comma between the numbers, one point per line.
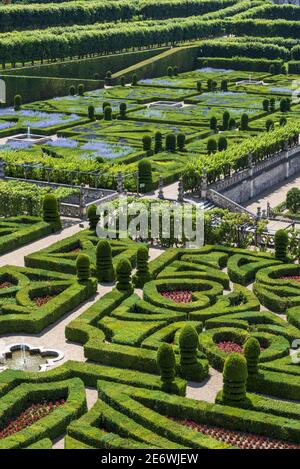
x=104, y=263
x=50, y=211
x=83, y=267
x=190, y=368
x=123, y=274
x=252, y=352
x=234, y=379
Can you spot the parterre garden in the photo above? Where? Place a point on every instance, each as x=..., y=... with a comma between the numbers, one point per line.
x=212, y=82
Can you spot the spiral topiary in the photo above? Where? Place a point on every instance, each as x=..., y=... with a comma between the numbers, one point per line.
x=104, y=264
x=50, y=211
x=123, y=274
x=93, y=217
x=234, y=379
x=252, y=352
x=83, y=267
x=190, y=368
x=166, y=364
x=142, y=273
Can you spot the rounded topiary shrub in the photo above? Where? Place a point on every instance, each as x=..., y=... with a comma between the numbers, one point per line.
x=17, y=102
x=83, y=267
x=171, y=142
x=158, y=146
x=50, y=211
x=91, y=112
x=145, y=175
x=234, y=379
x=180, y=141
x=92, y=216
x=123, y=109
x=123, y=274
x=166, y=364
x=281, y=245
x=190, y=368
x=72, y=90
x=104, y=263
x=142, y=275
x=80, y=89
x=252, y=352
x=107, y=111
x=147, y=144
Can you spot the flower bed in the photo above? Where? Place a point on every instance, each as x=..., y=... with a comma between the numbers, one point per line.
x=238, y=439
x=292, y=277
x=179, y=296
x=229, y=347
x=6, y=285
x=31, y=415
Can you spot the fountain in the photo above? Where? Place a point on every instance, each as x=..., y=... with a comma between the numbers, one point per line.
x=24, y=357
x=167, y=104
x=30, y=138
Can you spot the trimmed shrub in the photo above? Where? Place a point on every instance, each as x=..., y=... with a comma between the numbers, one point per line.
x=213, y=123
x=91, y=113
x=175, y=70
x=252, y=351
x=105, y=104
x=266, y=105
x=282, y=121
x=123, y=274
x=269, y=125
x=234, y=379
x=142, y=274
x=171, y=142
x=107, y=113
x=180, y=141
x=211, y=146
x=50, y=211
x=166, y=363
x=72, y=90
x=147, y=144
x=134, y=80
x=158, y=146
x=17, y=102
x=123, y=81
x=232, y=124
x=92, y=216
x=199, y=86
x=190, y=367
x=80, y=89
x=283, y=105
x=104, y=264
x=170, y=71
x=281, y=245
x=145, y=175
x=222, y=143
x=224, y=85
x=293, y=200
x=83, y=267
x=226, y=117
x=244, y=121
x=272, y=104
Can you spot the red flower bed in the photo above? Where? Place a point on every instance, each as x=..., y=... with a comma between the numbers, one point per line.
x=179, y=296
x=42, y=300
x=31, y=415
x=6, y=285
x=238, y=439
x=292, y=277
x=228, y=347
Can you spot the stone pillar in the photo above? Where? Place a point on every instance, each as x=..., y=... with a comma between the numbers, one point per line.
x=180, y=191
x=269, y=210
x=2, y=169
x=204, y=184
x=161, y=188
x=120, y=182
x=264, y=214
x=258, y=214
x=81, y=201
x=287, y=162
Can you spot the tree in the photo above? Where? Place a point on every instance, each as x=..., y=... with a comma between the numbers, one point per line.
x=209, y=84
x=50, y=211
x=244, y=121
x=17, y=102
x=123, y=274
x=72, y=90
x=83, y=267
x=142, y=275
x=123, y=109
x=166, y=363
x=190, y=367
x=266, y=105
x=281, y=245
x=251, y=352
x=272, y=104
x=145, y=175
x=158, y=146
x=211, y=146
x=222, y=143
x=224, y=85
x=214, y=85
x=180, y=141
x=269, y=125
x=92, y=216
x=293, y=200
x=170, y=71
x=171, y=142
x=213, y=123
x=226, y=118
x=80, y=89
x=232, y=124
x=147, y=144
x=282, y=121
x=91, y=113
x=199, y=86
x=104, y=263
x=107, y=113
x=134, y=80
x=235, y=376
x=283, y=105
